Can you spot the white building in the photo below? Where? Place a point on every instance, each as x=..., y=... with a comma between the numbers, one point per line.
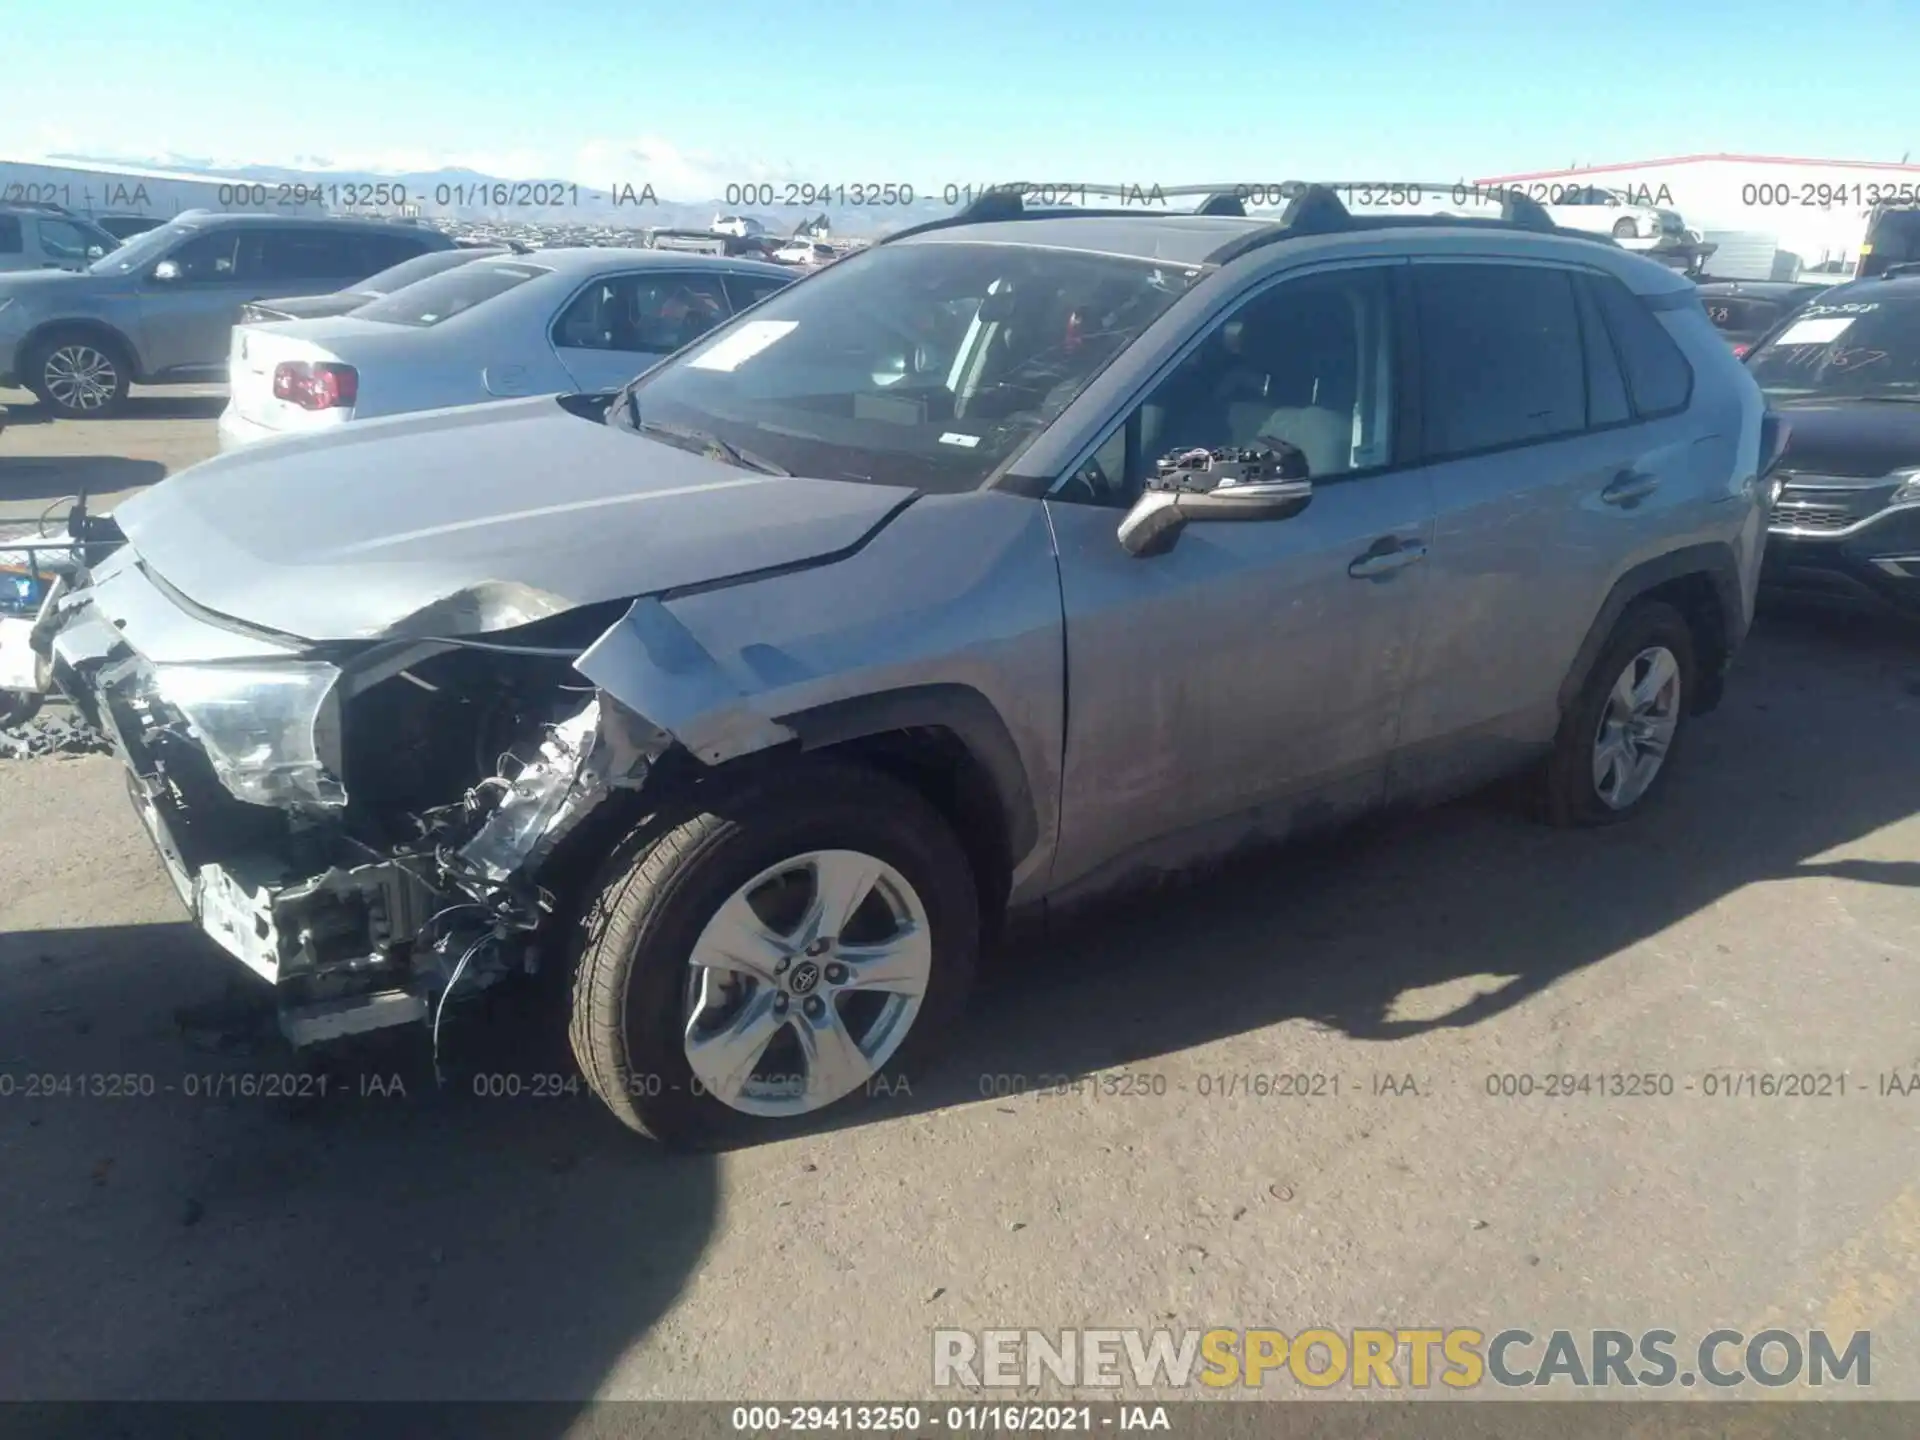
x=90, y=188
x=1811, y=211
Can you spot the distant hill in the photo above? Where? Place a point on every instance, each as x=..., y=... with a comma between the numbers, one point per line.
x=469, y=196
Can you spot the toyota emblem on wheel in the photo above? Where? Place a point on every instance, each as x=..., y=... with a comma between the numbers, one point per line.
x=806, y=975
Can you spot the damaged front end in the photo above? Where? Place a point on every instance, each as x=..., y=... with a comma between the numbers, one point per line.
x=364, y=827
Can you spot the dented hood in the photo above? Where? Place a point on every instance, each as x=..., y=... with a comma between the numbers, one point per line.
x=461, y=521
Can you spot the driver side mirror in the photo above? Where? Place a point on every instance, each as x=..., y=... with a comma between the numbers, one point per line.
x=1158, y=516
x=166, y=270
x=94, y=252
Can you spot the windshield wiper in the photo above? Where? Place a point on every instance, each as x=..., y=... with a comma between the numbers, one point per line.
x=703, y=441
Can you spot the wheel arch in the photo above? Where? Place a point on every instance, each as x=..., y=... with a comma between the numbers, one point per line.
x=1702, y=582
x=102, y=331
x=949, y=743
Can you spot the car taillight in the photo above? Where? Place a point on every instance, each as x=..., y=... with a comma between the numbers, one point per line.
x=321, y=385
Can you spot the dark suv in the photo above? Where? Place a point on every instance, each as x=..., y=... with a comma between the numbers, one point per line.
x=1893, y=238
x=157, y=310
x=1844, y=372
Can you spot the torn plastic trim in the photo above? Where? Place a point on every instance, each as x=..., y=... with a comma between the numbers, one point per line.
x=344, y=919
x=603, y=747
x=650, y=662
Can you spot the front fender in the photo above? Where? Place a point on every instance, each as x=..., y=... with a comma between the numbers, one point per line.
x=950, y=617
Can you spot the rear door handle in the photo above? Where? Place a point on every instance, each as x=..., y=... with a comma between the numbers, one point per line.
x=1381, y=560
x=1630, y=487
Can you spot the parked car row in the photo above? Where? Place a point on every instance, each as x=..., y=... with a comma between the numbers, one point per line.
x=736, y=685
x=163, y=308
x=160, y=308
x=484, y=327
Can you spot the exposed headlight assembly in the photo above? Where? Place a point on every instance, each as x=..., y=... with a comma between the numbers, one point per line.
x=1909, y=491
x=272, y=732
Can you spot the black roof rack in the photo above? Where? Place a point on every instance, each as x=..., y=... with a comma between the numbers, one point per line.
x=47, y=205
x=1308, y=208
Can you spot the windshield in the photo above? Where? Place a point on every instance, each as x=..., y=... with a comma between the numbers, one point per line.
x=450, y=293
x=925, y=365
x=142, y=250
x=1844, y=350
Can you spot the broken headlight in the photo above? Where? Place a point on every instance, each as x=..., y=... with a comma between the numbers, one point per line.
x=269, y=730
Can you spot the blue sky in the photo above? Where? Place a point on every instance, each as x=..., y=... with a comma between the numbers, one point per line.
x=926, y=92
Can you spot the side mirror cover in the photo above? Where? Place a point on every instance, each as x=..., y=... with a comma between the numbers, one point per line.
x=166, y=270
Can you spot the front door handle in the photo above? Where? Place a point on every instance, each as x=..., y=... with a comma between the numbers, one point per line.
x=1386, y=557
x=1630, y=487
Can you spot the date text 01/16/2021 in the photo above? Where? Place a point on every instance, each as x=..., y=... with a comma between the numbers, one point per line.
x=200, y=1085
x=1018, y=1418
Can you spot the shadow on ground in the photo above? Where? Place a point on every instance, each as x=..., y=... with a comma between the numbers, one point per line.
x=51, y=477
x=373, y=1237
x=1812, y=749
x=135, y=407
x=450, y=1243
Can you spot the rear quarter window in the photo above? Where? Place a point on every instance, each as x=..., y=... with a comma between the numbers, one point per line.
x=1659, y=380
x=453, y=292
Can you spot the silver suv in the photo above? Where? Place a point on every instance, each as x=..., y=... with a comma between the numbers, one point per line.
x=35, y=235
x=158, y=310
x=1016, y=558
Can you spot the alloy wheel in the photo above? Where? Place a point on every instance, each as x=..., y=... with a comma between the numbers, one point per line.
x=1637, y=726
x=805, y=982
x=79, y=377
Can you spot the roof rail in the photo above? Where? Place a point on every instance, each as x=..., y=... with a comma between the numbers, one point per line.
x=1307, y=207
x=47, y=205
x=1896, y=271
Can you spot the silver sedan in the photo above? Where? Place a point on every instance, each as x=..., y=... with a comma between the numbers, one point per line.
x=565, y=320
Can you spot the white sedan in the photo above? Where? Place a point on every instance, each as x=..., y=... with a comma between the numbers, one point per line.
x=564, y=320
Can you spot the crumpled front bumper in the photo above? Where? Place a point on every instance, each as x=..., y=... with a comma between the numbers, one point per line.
x=332, y=930
x=344, y=929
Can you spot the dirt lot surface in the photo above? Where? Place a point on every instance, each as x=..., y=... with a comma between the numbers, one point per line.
x=1765, y=921
x=43, y=460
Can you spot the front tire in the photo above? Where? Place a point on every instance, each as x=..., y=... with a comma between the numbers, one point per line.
x=1625, y=230
x=79, y=376
x=799, y=941
x=1616, y=741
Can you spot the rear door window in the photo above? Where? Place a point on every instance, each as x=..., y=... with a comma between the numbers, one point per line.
x=374, y=253
x=1501, y=360
x=1606, y=386
x=649, y=313
x=747, y=290
x=304, y=254
x=11, y=240
x=453, y=292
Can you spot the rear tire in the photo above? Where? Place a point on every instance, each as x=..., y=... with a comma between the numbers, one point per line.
x=1625, y=230
x=79, y=375
x=1604, y=767
x=642, y=1008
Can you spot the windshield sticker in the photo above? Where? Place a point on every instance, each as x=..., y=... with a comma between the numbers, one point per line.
x=1815, y=332
x=730, y=352
x=954, y=438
